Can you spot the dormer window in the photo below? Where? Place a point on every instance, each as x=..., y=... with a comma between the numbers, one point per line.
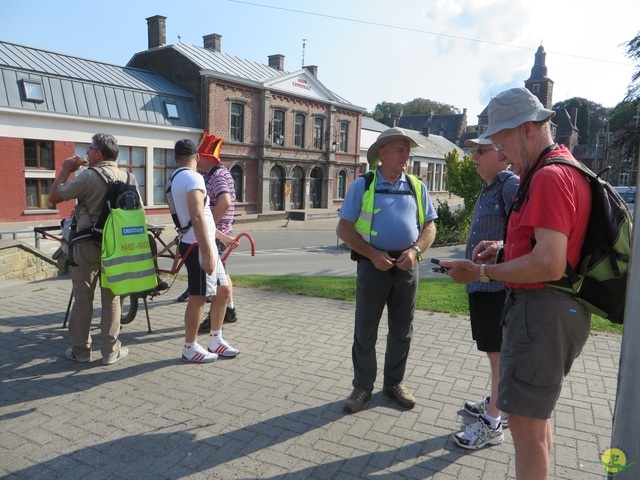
x=171, y=110
x=32, y=90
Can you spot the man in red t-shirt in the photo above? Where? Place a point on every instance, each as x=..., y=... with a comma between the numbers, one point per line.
x=544, y=329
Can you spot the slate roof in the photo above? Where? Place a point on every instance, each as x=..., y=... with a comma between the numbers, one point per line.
x=77, y=86
x=207, y=59
x=432, y=146
x=369, y=123
x=447, y=125
x=241, y=68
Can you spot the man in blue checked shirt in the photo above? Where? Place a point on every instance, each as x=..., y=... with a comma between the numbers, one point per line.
x=486, y=299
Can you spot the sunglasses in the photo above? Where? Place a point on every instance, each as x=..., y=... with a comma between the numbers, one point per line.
x=482, y=150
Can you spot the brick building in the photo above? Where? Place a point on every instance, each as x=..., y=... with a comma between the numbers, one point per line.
x=50, y=106
x=290, y=142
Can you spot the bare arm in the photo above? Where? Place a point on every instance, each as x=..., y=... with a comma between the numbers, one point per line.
x=220, y=209
x=69, y=166
x=195, y=201
x=546, y=262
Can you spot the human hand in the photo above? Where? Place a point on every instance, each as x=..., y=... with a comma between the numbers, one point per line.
x=231, y=242
x=382, y=261
x=206, y=262
x=461, y=271
x=407, y=259
x=486, y=251
x=72, y=164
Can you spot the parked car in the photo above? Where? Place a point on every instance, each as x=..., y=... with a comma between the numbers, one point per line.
x=628, y=194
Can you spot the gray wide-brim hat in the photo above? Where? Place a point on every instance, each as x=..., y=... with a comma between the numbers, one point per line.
x=512, y=108
x=476, y=142
x=386, y=137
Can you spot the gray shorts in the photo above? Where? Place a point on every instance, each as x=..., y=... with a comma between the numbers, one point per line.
x=544, y=332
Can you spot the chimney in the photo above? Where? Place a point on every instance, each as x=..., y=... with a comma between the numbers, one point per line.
x=213, y=42
x=425, y=131
x=157, y=31
x=277, y=62
x=574, y=116
x=312, y=69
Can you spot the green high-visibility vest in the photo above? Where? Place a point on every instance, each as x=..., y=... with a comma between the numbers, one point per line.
x=365, y=220
x=127, y=262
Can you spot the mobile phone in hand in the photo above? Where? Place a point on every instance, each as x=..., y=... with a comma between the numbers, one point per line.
x=438, y=269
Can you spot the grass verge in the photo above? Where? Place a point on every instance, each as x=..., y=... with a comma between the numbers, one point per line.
x=434, y=294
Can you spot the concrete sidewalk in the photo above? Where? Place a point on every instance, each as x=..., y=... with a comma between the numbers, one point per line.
x=274, y=412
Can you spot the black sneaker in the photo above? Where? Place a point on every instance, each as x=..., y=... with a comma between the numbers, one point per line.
x=205, y=326
x=230, y=316
x=184, y=297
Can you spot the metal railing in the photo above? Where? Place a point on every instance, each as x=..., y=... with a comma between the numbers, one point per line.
x=13, y=234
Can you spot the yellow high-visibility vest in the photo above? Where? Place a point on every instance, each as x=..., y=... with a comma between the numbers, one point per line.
x=127, y=262
x=365, y=220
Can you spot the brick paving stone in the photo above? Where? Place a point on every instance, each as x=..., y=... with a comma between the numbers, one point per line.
x=273, y=412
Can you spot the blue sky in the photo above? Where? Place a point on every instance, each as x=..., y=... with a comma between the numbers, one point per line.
x=459, y=52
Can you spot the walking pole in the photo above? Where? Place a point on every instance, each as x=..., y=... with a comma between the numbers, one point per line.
x=64, y=325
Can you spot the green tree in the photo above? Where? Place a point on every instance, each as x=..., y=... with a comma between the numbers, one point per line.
x=624, y=119
x=387, y=109
x=413, y=107
x=463, y=179
x=591, y=117
x=633, y=52
x=422, y=105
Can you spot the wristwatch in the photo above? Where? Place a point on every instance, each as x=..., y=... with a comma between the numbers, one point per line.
x=483, y=276
x=417, y=249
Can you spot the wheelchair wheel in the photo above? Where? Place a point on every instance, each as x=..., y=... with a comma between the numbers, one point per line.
x=129, y=307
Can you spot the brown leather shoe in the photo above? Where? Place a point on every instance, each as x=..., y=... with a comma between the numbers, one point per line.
x=401, y=395
x=354, y=402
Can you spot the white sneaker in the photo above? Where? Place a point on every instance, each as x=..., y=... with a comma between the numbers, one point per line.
x=479, y=434
x=197, y=354
x=477, y=409
x=221, y=347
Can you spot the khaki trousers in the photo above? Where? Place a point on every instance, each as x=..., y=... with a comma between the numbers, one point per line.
x=84, y=278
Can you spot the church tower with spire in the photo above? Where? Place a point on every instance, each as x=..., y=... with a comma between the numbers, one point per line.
x=539, y=83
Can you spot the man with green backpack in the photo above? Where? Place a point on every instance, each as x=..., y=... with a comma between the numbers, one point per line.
x=90, y=190
x=545, y=328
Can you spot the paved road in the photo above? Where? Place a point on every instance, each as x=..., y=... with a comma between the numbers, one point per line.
x=304, y=248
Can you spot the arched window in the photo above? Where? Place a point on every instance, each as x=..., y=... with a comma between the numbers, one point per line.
x=276, y=188
x=297, y=188
x=342, y=183
x=238, y=178
x=315, y=188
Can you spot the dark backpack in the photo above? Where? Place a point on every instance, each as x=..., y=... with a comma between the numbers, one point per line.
x=599, y=281
x=120, y=194
x=172, y=206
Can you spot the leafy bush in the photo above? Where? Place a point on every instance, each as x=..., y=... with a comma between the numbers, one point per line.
x=451, y=226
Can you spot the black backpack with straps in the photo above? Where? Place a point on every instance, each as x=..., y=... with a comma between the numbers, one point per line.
x=172, y=206
x=599, y=281
x=120, y=194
